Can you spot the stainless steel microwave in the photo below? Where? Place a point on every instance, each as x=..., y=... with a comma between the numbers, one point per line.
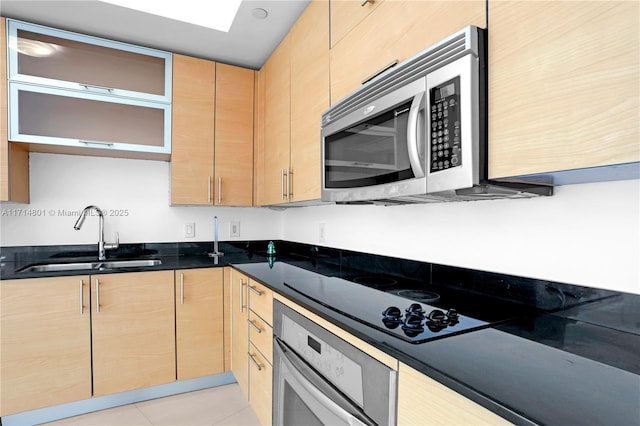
x=416, y=133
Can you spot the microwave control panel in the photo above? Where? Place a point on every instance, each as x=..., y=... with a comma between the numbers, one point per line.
x=446, y=149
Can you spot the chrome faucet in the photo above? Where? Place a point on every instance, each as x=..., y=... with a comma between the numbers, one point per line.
x=102, y=246
x=215, y=253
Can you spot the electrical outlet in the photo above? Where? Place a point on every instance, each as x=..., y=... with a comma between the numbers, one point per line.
x=323, y=232
x=234, y=228
x=189, y=230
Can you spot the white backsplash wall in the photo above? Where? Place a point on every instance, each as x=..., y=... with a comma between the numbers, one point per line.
x=585, y=234
x=135, y=195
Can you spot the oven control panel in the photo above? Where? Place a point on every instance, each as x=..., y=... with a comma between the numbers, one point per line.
x=335, y=366
x=445, y=139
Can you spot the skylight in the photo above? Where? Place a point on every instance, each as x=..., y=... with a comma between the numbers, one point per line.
x=218, y=14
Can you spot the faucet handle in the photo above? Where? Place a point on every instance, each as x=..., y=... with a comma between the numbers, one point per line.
x=113, y=246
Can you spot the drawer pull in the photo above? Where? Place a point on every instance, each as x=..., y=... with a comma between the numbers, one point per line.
x=363, y=2
x=252, y=358
x=255, y=326
x=255, y=290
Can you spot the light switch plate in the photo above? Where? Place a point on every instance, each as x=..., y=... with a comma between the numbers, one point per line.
x=234, y=228
x=189, y=230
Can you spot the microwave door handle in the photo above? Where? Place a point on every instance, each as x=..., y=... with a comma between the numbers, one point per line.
x=316, y=386
x=413, y=138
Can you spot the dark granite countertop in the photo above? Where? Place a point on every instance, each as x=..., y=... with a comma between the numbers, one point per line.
x=549, y=368
x=172, y=256
x=572, y=358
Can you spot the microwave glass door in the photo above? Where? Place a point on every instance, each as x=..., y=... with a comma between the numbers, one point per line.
x=372, y=152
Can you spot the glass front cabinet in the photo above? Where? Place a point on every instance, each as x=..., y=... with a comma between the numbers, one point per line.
x=73, y=90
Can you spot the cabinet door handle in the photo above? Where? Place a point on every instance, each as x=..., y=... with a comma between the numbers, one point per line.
x=252, y=358
x=282, y=192
x=92, y=87
x=241, y=295
x=181, y=288
x=81, y=298
x=380, y=71
x=208, y=189
x=289, y=184
x=98, y=143
x=219, y=190
x=97, y=295
x=255, y=326
x=363, y=2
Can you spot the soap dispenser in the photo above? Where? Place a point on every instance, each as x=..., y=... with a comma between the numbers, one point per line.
x=271, y=254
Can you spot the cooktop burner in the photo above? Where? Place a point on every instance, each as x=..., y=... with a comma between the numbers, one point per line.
x=419, y=295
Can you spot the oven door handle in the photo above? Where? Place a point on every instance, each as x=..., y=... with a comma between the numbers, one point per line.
x=413, y=138
x=322, y=391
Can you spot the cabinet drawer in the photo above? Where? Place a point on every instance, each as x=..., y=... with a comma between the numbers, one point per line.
x=347, y=14
x=260, y=387
x=261, y=300
x=261, y=335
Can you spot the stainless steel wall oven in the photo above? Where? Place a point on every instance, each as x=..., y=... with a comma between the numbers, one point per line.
x=320, y=379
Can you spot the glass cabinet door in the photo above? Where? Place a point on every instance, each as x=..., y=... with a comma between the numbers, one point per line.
x=53, y=116
x=47, y=56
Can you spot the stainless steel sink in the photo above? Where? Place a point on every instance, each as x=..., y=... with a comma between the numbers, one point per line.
x=96, y=265
x=110, y=264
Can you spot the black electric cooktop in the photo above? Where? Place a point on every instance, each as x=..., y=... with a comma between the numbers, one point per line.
x=412, y=314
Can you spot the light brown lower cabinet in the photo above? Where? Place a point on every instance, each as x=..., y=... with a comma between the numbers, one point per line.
x=252, y=340
x=239, y=329
x=45, y=342
x=260, y=385
x=133, y=331
x=422, y=400
x=261, y=350
x=199, y=322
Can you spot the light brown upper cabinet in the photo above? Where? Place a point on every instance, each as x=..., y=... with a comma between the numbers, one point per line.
x=193, y=130
x=212, y=146
x=296, y=79
x=14, y=158
x=564, y=88
x=234, y=136
x=309, y=98
x=277, y=115
x=395, y=31
x=346, y=14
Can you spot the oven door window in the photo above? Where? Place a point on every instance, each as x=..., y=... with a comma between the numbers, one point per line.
x=296, y=411
x=370, y=153
x=302, y=397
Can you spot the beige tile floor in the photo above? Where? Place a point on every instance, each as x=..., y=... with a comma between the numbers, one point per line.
x=223, y=405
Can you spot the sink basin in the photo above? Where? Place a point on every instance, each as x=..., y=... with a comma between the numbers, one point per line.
x=96, y=265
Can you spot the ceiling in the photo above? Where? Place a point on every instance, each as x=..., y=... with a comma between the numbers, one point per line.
x=248, y=43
